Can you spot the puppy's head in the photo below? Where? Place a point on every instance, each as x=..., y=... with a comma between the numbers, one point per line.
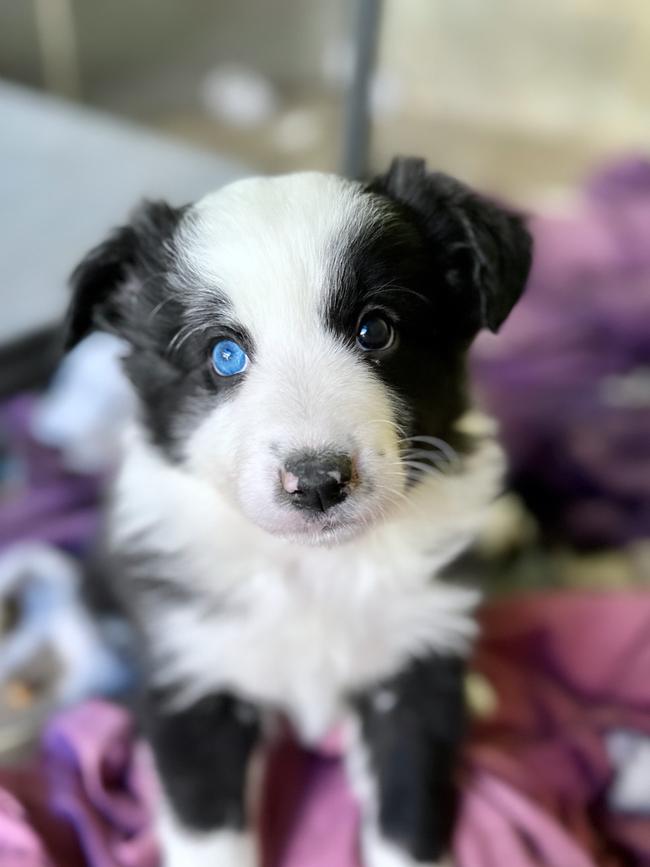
x=299, y=342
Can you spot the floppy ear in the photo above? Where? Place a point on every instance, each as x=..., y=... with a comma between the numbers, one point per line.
x=104, y=282
x=483, y=250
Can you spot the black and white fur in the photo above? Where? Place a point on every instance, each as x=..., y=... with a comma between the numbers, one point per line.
x=248, y=607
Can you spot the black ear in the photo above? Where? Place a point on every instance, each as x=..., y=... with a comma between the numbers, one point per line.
x=484, y=250
x=104, y=282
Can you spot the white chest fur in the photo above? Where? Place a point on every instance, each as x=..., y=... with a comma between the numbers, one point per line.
x=301, y=644
x=295, y=626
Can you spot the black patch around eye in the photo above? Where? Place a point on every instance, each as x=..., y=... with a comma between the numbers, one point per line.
x=377, y=269
x=134, y=285
x=386, y=271
x=169, y=361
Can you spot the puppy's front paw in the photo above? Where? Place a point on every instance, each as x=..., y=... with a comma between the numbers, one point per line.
x=379, y=852
x=215, y=849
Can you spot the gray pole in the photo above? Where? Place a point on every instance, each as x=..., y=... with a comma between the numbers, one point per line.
x=356, y=131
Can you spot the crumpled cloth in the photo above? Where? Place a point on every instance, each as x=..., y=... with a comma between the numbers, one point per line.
x=29, y=828
x=103, y=783
x=90, y=800
x=20, y=845
x=567, y=669
x=40, y=500
x=568, y=376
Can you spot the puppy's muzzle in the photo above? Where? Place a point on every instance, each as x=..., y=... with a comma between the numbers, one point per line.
x=316, y=481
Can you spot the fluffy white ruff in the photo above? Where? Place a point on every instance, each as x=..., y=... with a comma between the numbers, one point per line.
x=293, y=625
x=183, y=848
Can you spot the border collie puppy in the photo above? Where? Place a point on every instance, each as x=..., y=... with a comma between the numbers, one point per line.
x=303, y=465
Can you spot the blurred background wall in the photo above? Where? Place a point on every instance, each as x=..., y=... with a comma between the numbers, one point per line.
x=520, y=97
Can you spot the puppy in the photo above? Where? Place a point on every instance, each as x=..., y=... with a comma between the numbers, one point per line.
x=304, y=463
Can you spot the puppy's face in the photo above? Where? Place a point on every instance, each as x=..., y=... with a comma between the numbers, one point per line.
x=298, y=342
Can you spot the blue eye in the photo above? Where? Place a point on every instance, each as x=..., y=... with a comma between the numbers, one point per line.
x=228, y=358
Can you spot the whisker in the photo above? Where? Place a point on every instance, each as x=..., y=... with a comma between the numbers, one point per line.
x=180, y=338
x=392, y=494
x=438, y=460
x=438, y=443
x=388, y=421
x=434, y=453
x=156, y=310
x=396, y=288
x=425, y=469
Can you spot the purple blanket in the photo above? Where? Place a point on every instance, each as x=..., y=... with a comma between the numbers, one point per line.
x=567, y=671
x=39, y=499
x=568, y=377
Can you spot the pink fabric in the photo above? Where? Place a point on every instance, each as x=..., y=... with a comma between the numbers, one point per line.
x=310, y=818
x=31, y=835
x=20, y=845
x=103, y=783
x=498, y=825
x=567, y=669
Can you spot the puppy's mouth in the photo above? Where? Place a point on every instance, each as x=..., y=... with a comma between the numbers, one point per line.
x=361, y=510
x=325, y=530
x=324, y=496
x=338, y=523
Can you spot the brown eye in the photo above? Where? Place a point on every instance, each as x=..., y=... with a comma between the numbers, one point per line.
x=375, y=333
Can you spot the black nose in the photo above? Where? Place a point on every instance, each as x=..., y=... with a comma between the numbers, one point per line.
x=316, y=481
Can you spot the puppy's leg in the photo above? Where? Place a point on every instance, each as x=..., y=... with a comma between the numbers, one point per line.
x=402, y=762
x=203, y=754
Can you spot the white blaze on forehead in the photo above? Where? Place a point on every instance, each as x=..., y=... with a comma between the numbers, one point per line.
x=270, y=245
x=275, y=249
